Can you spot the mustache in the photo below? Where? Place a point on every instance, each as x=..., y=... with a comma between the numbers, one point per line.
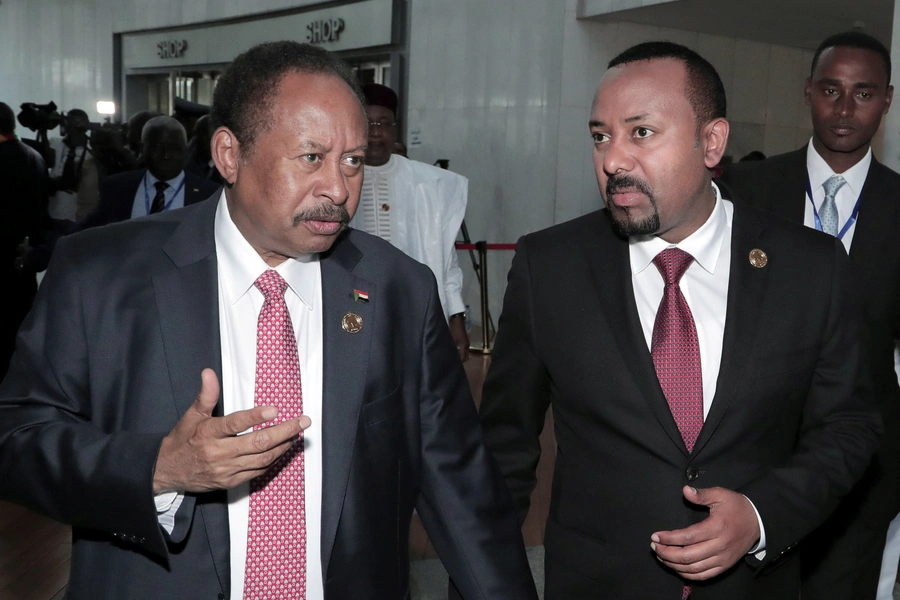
x=324, y=212
x=617, y=183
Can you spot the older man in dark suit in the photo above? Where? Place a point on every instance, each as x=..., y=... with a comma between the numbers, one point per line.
x=700, y=358
x=834, y=184
x=163, y=185
x=332, y=400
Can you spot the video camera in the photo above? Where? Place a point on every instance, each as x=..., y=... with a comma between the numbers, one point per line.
x=40, y=117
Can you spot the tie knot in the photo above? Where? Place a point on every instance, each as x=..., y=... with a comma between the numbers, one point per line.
x=160, y=186
x=672, y=263
x=270, y=282
x=834, y=183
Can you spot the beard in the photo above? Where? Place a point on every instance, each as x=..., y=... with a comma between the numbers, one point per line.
x=324, y=212
x=624, y=224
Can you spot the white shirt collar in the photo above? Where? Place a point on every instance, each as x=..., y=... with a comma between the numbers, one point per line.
x=240, y=265
x=820, y=172
x=704, y=244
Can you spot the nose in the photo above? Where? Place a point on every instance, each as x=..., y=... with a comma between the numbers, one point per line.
x=844, y=105
x=333, y=184
x=615, y=157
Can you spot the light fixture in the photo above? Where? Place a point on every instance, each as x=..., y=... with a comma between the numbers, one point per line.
x=105, y=107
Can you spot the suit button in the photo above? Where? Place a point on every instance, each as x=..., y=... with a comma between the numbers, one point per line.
x=692, y=473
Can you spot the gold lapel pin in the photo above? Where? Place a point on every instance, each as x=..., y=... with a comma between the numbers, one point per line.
x=352, y=322
x=758, y=258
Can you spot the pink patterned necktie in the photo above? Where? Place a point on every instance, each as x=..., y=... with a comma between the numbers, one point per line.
x=676, y=352
x=276, y=538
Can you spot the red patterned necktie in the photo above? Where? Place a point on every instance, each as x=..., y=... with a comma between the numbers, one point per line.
x=676, y=352
x=276, y=538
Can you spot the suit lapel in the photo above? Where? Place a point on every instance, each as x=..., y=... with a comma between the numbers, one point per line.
x=746, y=289
x=345, y=364
x=122, y=209
x=787, y=193
x=188, y=307
x=871, y=235
x=611, y=272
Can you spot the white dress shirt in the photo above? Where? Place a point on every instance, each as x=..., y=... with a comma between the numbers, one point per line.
x=143, y=197
x=846, y=197
x=705, y=288
x=240, y=303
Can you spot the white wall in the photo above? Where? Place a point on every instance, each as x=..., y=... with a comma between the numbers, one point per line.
x=485, y=88
x=891, y=125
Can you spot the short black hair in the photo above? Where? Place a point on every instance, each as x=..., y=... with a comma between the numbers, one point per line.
x=705, y=91
x=853, y=39
x=242, y=101
x=7, y=118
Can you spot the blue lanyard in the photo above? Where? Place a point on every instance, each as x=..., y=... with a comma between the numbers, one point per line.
x=849, y=222
x=171, y=200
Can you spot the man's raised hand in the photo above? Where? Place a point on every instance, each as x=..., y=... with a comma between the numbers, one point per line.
x=204, y=453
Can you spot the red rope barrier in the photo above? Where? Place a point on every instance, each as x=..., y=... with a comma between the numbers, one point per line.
x=464, y=246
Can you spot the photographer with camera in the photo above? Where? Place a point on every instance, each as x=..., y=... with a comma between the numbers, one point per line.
x=23, y=212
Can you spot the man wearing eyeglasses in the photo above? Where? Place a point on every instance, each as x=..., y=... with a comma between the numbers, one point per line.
x=415, y=206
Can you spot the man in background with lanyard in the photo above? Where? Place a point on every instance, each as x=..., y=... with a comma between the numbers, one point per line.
x=163, y=185
x=835, y=185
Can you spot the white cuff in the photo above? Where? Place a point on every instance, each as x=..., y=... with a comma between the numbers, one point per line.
x=759, y=550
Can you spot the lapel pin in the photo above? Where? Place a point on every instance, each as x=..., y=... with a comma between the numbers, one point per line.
x=758, y=258
x=352, y=322
x=360, y=296
x=385, y=207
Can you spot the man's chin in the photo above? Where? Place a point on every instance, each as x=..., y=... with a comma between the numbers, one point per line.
x=627, y=226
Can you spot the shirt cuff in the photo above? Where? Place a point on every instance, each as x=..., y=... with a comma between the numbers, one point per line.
x=759, y=550
x=167, y=504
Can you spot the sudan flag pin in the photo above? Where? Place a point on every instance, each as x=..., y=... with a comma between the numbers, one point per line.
x=360, y=296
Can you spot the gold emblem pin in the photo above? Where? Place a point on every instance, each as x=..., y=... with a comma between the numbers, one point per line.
x=385, y=207
x=351, y=323
x=758, y=258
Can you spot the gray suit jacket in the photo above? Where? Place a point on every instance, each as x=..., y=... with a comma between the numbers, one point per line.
x=110, y=358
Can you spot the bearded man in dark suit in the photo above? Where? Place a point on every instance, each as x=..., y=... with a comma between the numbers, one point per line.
x=700, y=357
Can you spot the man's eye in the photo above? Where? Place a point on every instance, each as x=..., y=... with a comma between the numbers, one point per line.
x=311, y=158
x=353, y=161
x=642, y=132
x=599, y=138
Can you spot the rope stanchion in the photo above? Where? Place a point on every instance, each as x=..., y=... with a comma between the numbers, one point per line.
x=464, y=246
x=482, y=249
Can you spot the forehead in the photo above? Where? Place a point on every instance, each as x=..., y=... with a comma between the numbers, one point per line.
x=164, y=135
x=853, y=64
x=642, y=87
x=378, y=111
x=314, y=95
